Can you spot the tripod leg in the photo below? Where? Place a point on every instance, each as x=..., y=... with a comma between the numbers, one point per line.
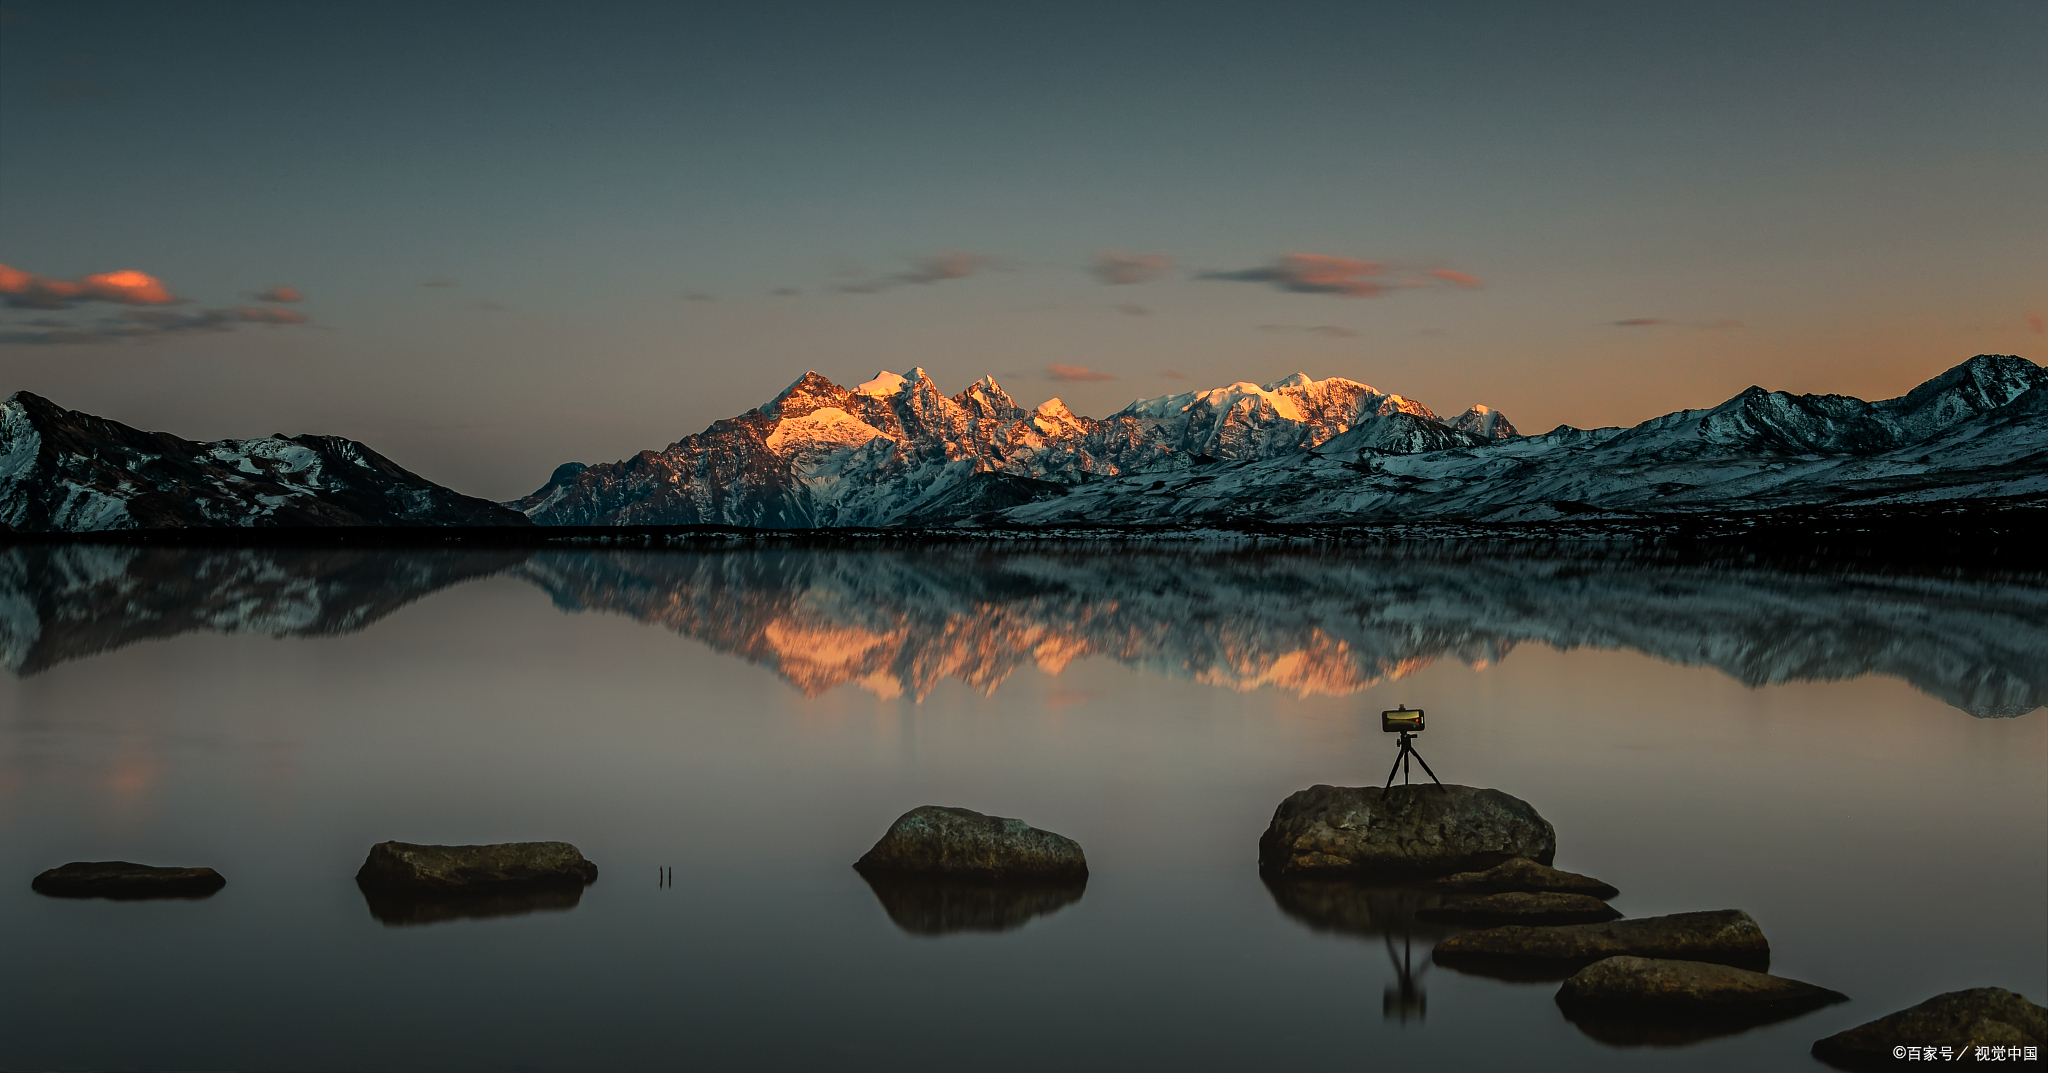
x=1425, y=767
x=1392, y=770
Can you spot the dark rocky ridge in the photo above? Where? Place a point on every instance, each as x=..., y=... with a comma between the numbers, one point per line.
x=66, y=471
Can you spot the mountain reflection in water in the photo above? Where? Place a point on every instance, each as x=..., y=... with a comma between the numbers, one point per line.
x=1309, y=621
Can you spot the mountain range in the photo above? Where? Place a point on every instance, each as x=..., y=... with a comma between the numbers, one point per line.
x=897, y=451
x=1329, y=621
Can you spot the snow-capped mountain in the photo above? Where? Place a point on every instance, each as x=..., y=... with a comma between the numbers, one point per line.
x=896, y=450
x=1330, y=621
x=65, y=471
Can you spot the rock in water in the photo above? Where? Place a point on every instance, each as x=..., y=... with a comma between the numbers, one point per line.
x=961, y=842
x=402, y=866
x=1660, y=985
x=1725, y=937
x=942, y=905
x=1523, y=874
x=1979, y=1017
x=125, y=881
x=1519, y=907
x=1405, y=830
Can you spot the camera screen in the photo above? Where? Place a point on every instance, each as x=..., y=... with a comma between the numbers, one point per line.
x=1410, y=720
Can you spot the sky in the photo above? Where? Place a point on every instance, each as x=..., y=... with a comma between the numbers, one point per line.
x=490, y=238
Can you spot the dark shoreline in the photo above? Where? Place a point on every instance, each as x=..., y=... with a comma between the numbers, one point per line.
x=1987, y=534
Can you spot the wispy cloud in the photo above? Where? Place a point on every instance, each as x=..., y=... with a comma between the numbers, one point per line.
x=1331, y=330
x=1118, y=267
x=1346, y=277
x=1074, y=374
x=149, y=323
x=27, y=290
x=2035, y=322
x=280, y=293
x=1173, y=374
x=440, y=283
x=1665, y=322
x=1133, y=310
x=935, y=268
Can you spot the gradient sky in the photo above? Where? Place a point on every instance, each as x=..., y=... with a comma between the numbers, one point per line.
x=522, y=234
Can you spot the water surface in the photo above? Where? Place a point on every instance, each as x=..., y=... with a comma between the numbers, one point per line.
x=1857, y=759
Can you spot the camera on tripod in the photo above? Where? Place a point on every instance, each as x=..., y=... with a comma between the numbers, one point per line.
x=1406, y=723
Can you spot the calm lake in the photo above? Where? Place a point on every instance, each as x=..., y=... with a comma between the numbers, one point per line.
x=1858, y=759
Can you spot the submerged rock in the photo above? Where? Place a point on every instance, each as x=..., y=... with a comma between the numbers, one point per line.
x=1405, y=830
x=1725, y=937
x=960, y=842
x=1520, y=907
x=1523, y=874
x=403, y=866
x=1979, y=1017
x=928, y=905
x=124, y=881
x=397, y=909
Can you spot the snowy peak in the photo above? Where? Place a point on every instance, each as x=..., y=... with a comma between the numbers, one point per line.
x=1486, y=423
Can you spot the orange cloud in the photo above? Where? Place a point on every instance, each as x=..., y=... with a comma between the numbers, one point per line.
x=27, y=290
x=1074, y=373
x=280, y=293
x=2035, y=322
x=1116, y=266
x=1463, y=279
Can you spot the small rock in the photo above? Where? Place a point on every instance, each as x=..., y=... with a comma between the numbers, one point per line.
x=1979, y=1017
x=1521, y=907
x=927, y=905
x=961, y=842
x=403, y=866
x=124, y=881
x=1405, y=830
x=1661, y=985
x=1524, y=874
x=1725, y=937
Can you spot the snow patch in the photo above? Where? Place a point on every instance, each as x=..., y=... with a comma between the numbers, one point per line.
x=884, y=384
x=827, y=426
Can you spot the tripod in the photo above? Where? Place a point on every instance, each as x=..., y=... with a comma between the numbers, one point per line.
x=1401, y=762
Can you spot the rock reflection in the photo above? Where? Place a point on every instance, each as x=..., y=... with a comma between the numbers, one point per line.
x=404, y=910
x=1348, y=908
x=1665, y=1030
x=929, y=906
x=1329, y=621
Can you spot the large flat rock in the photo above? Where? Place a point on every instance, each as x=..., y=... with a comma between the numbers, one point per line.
x=1523, y=874
x=406, y=867
x=125, y=881
x=939, y=840
x=1521, y=907
x=1725, y=937
x=1978, y=1017
x=1401, y=831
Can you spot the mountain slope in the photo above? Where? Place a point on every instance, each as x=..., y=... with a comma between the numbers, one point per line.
x=65, y=471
